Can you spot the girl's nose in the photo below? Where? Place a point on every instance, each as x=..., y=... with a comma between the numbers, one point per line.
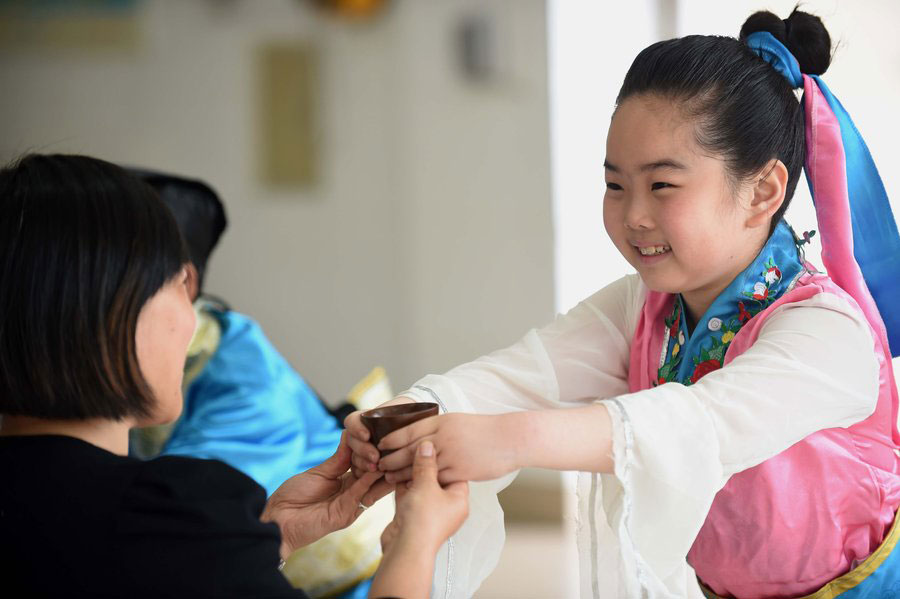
x=637, y=216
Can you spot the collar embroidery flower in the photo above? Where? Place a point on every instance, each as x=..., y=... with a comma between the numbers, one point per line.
x=743, y=314
x=760, y=291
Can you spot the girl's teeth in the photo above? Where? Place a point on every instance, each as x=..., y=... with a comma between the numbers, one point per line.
x=654, y=250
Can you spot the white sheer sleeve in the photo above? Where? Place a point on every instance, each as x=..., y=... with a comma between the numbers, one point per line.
x=579, y=357
x=676, y=446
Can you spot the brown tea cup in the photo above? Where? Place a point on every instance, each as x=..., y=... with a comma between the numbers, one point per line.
x=383, y=421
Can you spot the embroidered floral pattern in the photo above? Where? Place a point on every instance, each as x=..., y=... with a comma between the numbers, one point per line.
x=771, y=275
x=668, y=371
x=743, y=314
x=709, y=355
x=704, y=368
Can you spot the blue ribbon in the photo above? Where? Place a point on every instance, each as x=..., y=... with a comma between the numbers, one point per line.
x=876, y=241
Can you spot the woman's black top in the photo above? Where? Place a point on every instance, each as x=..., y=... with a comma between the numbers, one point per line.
x=79, y=521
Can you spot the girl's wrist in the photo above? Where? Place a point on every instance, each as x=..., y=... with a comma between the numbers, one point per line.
x=516, y=432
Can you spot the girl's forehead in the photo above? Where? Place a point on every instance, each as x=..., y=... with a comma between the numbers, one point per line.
x=645, y=129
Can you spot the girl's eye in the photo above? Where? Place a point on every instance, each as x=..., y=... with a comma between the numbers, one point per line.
x=613, y=186
x=659, y=185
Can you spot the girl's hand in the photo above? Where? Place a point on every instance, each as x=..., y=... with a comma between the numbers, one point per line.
x=321, y=500
x=426, y=516
x=468, y=447
x=364, y=455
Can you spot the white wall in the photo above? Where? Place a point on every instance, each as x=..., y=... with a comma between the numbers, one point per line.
x=592, y=44
x=429, y=238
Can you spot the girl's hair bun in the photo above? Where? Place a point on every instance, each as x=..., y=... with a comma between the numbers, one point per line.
x=802, y=33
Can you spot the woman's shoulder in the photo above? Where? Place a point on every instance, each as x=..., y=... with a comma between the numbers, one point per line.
x=194, y=481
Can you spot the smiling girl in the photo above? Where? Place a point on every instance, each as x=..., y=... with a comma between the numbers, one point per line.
x=732, y=409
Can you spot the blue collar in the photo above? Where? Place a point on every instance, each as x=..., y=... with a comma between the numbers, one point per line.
x=689, y=356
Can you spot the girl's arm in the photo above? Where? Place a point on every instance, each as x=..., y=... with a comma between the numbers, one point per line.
x=484, y=447
x=813, y=367
x=577, y=358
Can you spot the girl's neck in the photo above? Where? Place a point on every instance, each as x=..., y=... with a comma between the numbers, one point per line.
x=695, y=308
x=111, y=435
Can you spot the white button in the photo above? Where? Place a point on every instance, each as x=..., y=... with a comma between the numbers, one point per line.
x=714, y=324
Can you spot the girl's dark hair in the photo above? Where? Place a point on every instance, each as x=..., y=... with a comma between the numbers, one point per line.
x=83, y=246
x=745, y=110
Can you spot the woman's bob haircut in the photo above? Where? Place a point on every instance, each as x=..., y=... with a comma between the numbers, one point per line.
x=83, y=246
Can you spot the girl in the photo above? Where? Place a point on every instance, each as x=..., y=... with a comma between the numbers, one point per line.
x=737, y=429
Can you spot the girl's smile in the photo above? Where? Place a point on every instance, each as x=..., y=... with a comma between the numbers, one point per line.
x=651, y=253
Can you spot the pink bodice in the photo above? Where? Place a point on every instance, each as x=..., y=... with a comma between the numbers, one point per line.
x=807, y=515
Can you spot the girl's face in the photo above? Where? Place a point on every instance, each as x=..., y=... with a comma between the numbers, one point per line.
x=670, y=208
x=165, y=326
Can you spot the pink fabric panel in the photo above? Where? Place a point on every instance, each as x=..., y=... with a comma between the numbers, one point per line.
x=647, y=343
x=813, y=512
x=826, y=167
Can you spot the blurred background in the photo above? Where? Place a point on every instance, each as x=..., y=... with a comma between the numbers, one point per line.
x=409, y=183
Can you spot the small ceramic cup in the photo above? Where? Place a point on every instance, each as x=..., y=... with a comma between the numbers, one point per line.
x=383, y=421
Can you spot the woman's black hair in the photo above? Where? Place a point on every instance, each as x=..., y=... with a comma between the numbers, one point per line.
x=83, y=246
x=745, y=110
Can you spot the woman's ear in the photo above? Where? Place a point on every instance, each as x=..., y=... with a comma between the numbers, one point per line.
x=768, y=194
x=193, y=281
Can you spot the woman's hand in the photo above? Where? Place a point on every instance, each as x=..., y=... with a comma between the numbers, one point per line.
x=426, y=516
x=468, y=446
x=321, y=500
x=365, y=455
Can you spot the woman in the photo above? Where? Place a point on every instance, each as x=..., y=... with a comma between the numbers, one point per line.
x=95, y=321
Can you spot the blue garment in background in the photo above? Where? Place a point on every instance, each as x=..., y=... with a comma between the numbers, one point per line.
x=250, y=409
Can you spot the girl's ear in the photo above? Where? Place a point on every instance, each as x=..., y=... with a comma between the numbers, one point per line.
x=768, y=194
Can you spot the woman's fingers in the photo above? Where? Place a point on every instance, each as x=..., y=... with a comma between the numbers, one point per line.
x=362, y=464
x=351, y=498
x=376, y=492
x=338, y=463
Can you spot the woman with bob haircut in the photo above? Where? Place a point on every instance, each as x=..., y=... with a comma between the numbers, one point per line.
x=95, y=322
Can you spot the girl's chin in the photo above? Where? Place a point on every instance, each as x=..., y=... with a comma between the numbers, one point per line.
x=659, y=283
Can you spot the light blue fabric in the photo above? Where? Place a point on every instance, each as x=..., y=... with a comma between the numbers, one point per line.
x=876, y=241
x=250, y=409
x=774, y=53
x=884, y=582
